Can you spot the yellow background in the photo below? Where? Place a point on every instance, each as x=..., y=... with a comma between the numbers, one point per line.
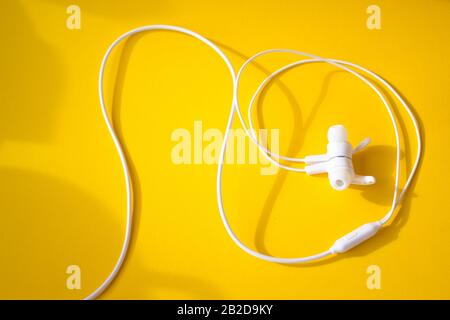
x=62, y=197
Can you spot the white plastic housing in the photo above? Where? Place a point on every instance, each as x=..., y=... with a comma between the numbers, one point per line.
x=337, y=162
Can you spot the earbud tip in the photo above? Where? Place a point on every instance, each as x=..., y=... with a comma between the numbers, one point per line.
x=337, y=133
x=369, y=180
x=340, y=178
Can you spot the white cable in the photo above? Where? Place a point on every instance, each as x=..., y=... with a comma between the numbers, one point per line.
x=118, y=146
x=266, y=152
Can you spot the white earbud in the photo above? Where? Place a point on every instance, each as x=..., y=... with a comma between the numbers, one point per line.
x=337, y=162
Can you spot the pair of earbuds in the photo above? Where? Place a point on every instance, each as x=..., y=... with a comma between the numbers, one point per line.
x=336, y=162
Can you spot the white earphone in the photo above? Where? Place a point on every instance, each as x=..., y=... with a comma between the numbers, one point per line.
x=337, y=162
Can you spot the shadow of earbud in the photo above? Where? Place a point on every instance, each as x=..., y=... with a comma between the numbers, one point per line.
x=367, y=162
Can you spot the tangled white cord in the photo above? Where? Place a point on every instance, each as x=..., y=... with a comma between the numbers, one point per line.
x=250, y=131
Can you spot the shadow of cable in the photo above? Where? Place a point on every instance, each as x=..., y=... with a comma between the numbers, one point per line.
x=192, y=287
x=294, y=147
